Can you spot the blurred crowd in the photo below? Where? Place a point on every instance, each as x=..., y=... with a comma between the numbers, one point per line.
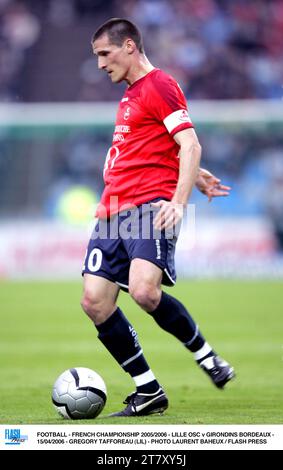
x=217, y=49
x=19, y=31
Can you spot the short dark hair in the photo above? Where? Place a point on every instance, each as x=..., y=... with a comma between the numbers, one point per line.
x=117, y=30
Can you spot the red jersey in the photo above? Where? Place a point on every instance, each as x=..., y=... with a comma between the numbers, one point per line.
x=142, y=163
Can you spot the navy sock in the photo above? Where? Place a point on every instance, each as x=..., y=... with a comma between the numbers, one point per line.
x=149, y=388
x=172, y=316
x=121, y=340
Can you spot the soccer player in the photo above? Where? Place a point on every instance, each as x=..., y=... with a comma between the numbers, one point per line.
x=152, y=165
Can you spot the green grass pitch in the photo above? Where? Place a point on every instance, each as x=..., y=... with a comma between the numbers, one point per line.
x=43, y=332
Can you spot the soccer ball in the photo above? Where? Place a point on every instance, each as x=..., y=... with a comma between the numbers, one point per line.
x=79, y=393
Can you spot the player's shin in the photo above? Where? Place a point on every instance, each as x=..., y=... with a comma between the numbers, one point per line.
x=121, y=340
x=172, y=316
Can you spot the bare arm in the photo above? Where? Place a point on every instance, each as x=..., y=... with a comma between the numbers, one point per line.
x=189, y=155
x=171, y=212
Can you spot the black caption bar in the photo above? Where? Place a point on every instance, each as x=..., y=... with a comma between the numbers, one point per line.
x=189, y=460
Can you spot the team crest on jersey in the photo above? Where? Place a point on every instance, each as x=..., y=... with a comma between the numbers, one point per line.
x=127, y=114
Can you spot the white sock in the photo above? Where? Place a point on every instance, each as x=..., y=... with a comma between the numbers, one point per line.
x=144, y=378
x=202, y=352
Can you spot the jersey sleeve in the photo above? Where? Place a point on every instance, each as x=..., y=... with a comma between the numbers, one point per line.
x=166, y=101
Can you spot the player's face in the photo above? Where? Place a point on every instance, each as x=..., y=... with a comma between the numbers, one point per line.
x=111, y=58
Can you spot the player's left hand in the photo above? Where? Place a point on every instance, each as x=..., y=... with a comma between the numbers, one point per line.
x=211, y=186
x=169, y=215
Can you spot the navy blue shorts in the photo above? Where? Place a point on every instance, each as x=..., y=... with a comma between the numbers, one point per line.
x=130, y=234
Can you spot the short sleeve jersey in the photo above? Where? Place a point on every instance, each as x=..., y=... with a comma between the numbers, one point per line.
x=142, y=163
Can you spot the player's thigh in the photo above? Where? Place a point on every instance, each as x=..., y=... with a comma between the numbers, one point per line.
x=144, y=283
x=99, y=296
x=142, y=270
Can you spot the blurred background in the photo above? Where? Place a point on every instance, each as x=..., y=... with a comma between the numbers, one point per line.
x=56, y=121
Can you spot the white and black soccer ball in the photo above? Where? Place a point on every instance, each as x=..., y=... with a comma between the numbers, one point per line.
x=79, y=393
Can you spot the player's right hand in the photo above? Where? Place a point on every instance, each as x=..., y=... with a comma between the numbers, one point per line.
x=211, y=186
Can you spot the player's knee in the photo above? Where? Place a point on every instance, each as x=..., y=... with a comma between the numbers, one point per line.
x=95, y=308
x=90, y=306
x=147, y=296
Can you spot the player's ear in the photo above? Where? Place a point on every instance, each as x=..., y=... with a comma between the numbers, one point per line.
x=130, y=46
